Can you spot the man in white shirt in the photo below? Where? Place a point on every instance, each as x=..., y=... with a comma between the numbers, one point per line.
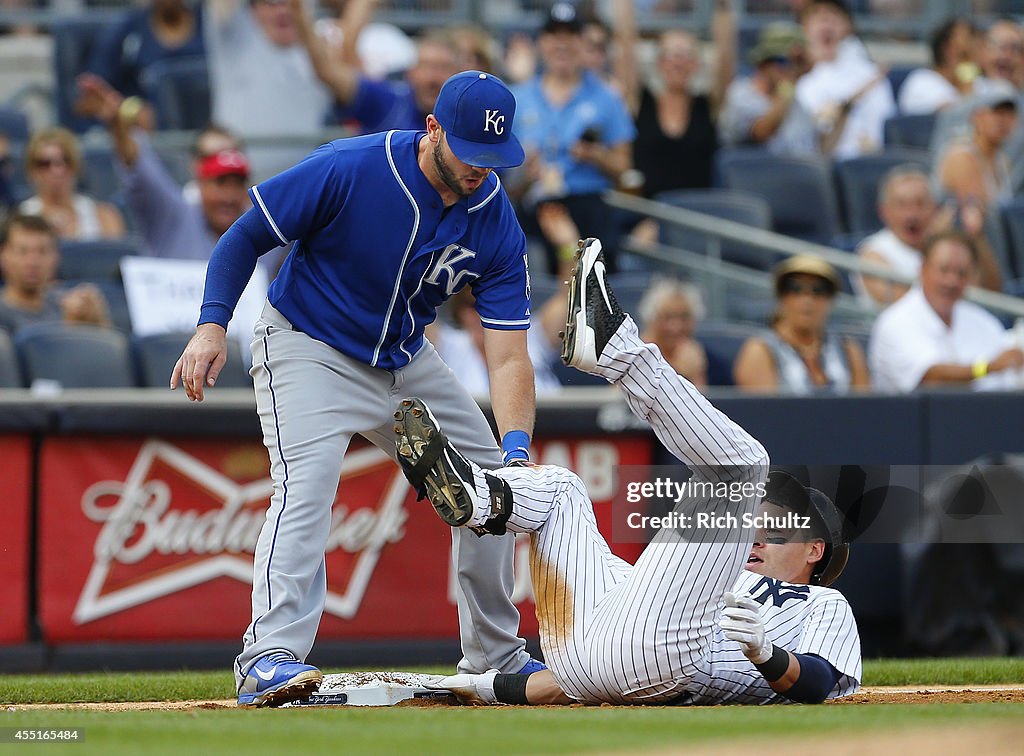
x=932, y=337
x=844, y=91
x=928, y=90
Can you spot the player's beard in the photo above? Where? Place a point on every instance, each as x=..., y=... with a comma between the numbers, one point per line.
x=448, y=175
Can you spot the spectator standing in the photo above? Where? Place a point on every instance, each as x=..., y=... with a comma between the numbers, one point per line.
x=800, y=354
x=378, y=49
x=262, y=84
x=53, y=161
x=761, y=109
x=847, y=94
x=172, y=224
x=142, y=37
x=927, y=90
x=676, y=135
x=28, y=266
x=932, y=337
x=380, y=105
x=576, y=131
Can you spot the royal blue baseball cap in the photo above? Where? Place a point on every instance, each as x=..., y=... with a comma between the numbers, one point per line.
x=476, y=111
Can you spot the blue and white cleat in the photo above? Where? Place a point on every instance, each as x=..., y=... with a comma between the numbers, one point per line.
x=276, y=679
x=533, y=666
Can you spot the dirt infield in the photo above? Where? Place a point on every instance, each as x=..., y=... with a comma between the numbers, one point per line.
x=872, y=695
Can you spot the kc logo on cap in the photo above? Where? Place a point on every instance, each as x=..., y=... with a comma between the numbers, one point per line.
x=477, y=110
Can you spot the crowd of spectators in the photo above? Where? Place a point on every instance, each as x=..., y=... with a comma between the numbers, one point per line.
x=600, y=105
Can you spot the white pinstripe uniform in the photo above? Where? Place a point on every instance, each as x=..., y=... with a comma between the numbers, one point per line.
x=613, y=632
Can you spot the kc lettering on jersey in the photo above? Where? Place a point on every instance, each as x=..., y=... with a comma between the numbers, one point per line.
x=376, y=252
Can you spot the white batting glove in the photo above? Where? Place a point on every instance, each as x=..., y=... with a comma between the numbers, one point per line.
x=471, y=690
x=741, y=622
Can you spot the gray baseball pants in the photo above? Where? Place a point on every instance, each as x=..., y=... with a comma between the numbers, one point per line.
x=311, y=401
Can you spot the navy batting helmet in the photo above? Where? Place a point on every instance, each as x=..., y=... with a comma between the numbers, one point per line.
x=786, y=491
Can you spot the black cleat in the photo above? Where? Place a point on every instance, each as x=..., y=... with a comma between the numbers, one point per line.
x=432, y=465
x=594, y=314
x=438, y=471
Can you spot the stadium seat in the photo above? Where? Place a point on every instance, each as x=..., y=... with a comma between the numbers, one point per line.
x=13, y=124
x=181, y=92
x=858, y=179
x=630, y=287
x=897, y=75
x=722, y=342
x=799, y=191
x=741, y=207
x=155, y=356
x=10, y=375
x=97, y=260
x=1011, y=234
x=76, y=356
x=570, y=376
x=99, y=176
x=913, y=131
x=73, y=41
x=117, y=302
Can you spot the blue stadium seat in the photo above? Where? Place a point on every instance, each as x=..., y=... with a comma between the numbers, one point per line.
x=630, y=287
x=897, y=75
x=722, y=342
x=914, y=131
x=98, y=260
x=1012, y=237
x=799, y=190
x=569, y=376
x=76, y=356
x=741, y=207
x=73, y=41
x=181, y=92
x=10, y=375
x=155, y=356
x=858, y=179
x=99, y=176
x=117, y=302
x=13, y=124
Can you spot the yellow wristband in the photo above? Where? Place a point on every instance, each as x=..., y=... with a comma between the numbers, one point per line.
x=979, y=369
x=566, y=252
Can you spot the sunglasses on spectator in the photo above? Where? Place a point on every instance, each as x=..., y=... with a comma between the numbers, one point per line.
x=818, y=289
x=44, y=163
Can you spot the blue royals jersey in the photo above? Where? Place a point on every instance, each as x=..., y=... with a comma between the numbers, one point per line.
x=376, y=251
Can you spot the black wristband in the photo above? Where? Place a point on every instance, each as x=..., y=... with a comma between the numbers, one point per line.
x=511, y=689
x=775, y=667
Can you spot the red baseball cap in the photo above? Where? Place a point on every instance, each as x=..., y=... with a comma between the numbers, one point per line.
x=223, y=163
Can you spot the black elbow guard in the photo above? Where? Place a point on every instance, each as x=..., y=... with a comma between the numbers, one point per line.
x=817, y=678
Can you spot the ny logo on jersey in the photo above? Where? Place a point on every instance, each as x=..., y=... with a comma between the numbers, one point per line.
x=452, y=255
x=492, y=118
x=779, y=592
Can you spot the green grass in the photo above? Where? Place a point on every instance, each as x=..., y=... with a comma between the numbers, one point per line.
x=455, y=730
x=179, y=686
x=461, y=730
x=992, y=671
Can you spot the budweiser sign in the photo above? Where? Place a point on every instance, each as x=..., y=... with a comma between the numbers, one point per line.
x=141, y=521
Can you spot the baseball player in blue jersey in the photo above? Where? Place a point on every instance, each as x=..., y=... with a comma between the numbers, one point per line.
x=386, y=227
x=700, y=618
